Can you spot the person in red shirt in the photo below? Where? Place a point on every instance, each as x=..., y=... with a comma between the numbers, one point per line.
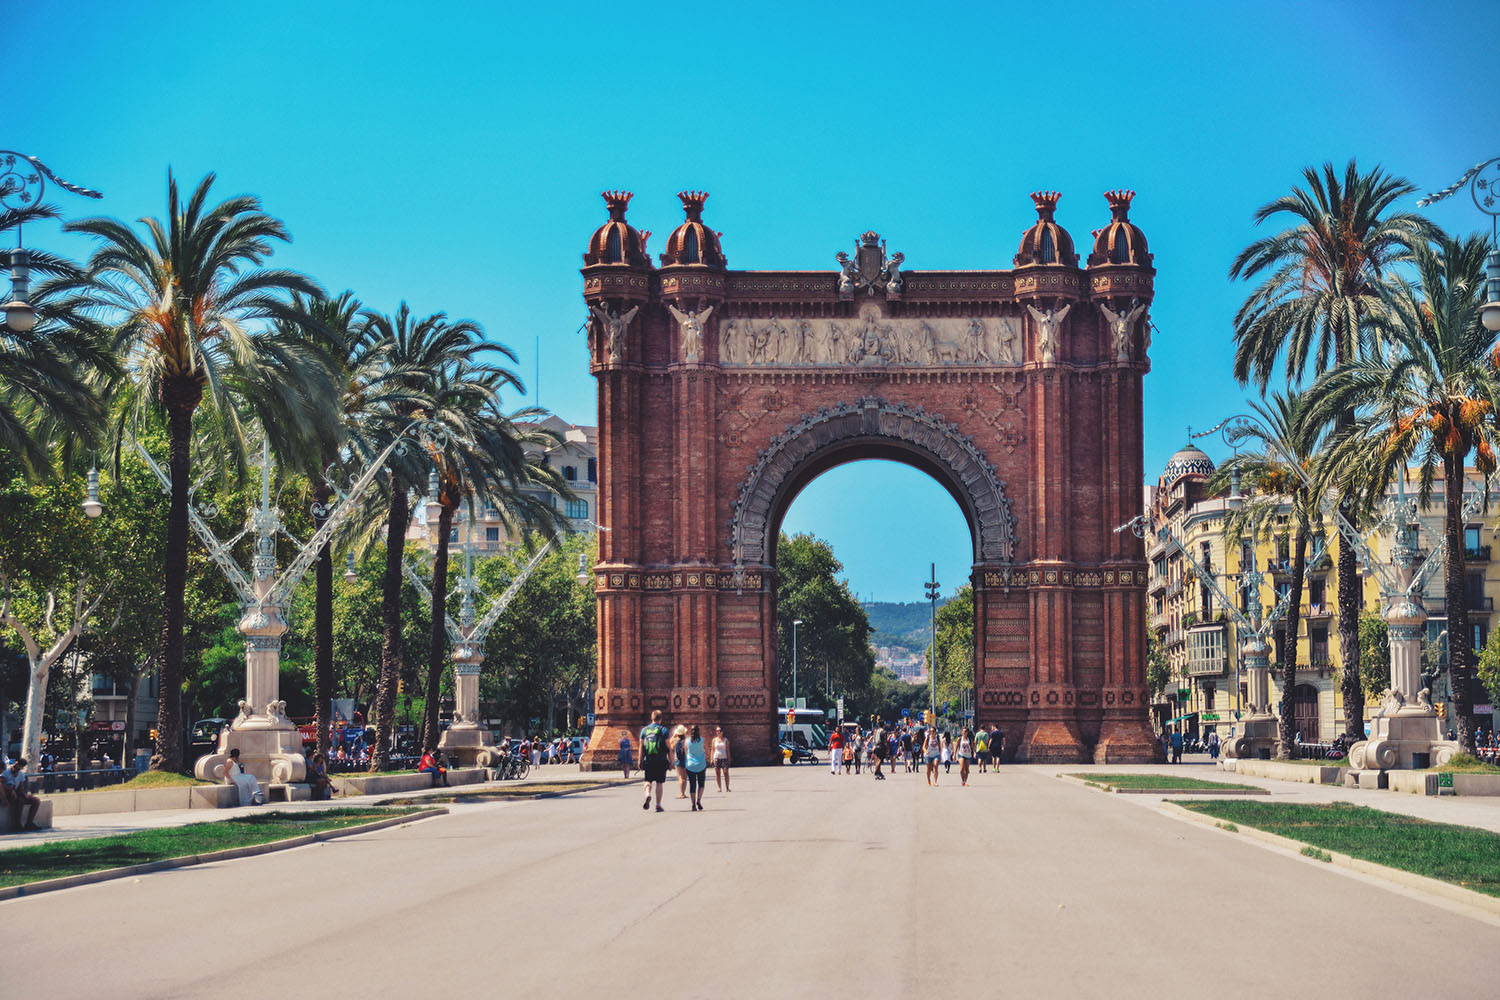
x=835, y=751
x=429, y=765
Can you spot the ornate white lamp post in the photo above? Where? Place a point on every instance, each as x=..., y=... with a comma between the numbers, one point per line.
x=23, y=179
x=270, y=744
x=1483, y=180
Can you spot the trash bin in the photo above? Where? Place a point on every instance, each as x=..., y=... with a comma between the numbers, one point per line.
x=1265, y=753
x=1421, y=761
x=142, y=760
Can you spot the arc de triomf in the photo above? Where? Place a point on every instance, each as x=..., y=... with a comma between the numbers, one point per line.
x=723, y=393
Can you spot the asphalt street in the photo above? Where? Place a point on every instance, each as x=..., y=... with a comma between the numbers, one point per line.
x=796, y=883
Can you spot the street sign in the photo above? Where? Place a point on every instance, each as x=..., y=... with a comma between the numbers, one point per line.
x=841, y=708
x=591, y=718
x=905, y=713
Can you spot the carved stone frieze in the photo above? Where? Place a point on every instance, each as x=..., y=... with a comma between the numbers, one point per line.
x=871, y=340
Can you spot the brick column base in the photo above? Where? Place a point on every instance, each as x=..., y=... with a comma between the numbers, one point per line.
x=1126, y=740
x=1051, y=741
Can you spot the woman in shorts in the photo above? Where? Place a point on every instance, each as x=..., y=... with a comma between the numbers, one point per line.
x=721, y=759
x=932, y=750
x=679, y=758
x=965, y=751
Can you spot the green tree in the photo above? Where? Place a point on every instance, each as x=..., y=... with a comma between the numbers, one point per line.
x=1158, y=668
x=1321, y=280
x=1487, y=670
x=955, y=646
x=834, y=637
x=1374, y=655
x=178, y=309
x=1431, y=396
x=542, y=648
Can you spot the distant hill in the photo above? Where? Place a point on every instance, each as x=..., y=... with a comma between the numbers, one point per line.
x=903, y=623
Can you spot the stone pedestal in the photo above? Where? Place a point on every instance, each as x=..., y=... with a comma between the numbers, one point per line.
x=1257, y=731
x=465, y=743
x=1394, y=737
x=1254, y=733
x=270, y=745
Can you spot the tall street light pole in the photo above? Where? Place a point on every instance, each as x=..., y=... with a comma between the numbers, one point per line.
x=932, y=595
x=795, y=622
x=23, y=179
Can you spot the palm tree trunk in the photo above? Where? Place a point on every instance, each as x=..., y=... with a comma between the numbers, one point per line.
x=1455, y=591
x=323, y=626
x=180, y=396
x=437, y=647
x=1351, y=600
x=390, y=650
x=1287, y=728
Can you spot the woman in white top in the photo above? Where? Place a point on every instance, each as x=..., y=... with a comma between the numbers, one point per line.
x=931, y=750
x=721, y=759
x=947, y=753
x=235, y=774
x=965, y=751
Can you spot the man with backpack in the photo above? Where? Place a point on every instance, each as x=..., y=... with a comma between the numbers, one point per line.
x=982, y=748
x=654, y=758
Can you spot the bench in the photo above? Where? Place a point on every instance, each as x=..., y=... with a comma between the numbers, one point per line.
x=43, y=817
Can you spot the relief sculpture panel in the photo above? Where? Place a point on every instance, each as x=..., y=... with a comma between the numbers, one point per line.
x=871, y=340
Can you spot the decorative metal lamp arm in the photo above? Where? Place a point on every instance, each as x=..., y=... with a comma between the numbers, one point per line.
x=495, y=610
x=416, y=580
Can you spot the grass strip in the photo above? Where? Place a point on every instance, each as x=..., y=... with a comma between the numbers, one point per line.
x=1462, y=855
x=62, y=858
x=1159, y=782
x=528, y=790
x=1462, y=763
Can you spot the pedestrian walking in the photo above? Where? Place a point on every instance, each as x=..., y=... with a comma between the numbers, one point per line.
x=965, y=751
x=881, y=751
x=835, y=751
x=932, y=751
x=997, y=745
x=906, y=749
x=695, y=760
x=947, y=753
x=859, y=750
x=679, y=758
x=982, y=748
x=721, y=759
x=1177, y=746
x=654, y=758
x=625, y=758
x=1213, y=745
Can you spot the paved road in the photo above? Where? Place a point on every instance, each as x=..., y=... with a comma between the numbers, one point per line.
x=1020, y=885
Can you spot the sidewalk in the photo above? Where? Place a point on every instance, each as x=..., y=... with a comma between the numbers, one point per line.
x=1480, y=812
x=111, y=824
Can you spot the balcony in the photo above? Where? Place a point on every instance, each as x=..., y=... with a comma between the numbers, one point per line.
x=1322, y=610
x=1480, y=603
x=1174, y=588
x=1479, y=553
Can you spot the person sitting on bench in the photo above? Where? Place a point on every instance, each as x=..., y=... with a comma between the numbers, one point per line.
x=430, y=765
x=14, y=795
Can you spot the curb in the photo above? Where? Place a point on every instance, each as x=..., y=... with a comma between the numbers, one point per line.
x=228, y=854
x=1109, y=789
x=457, y=794
x=1410, y=880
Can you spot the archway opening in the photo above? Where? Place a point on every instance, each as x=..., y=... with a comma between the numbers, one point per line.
x=860, y=531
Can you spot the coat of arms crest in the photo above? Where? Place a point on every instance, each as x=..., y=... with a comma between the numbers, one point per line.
x=870, y=269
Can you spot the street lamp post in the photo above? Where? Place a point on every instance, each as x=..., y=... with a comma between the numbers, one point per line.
x=23, y=179
x=931, y=587
x=1483, y=180
x=795, y=623
x=269, y=742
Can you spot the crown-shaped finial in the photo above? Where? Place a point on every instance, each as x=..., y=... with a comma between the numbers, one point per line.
x=1046, y=204
x=1119, y=203
x=617, y=201
x=692, y=204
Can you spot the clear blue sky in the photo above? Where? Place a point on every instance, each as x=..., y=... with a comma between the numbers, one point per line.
x=451, y=155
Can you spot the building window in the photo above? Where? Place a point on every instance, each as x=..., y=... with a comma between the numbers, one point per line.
x=1208, y=697
x=492, y=534
x=570, y=473
x=1471, y=537
x=593, y=470
x=452, y=535
x=1480, y=636
x=578, y=509
x=1319, y=636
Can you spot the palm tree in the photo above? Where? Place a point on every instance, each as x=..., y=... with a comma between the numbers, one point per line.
x=1322, y=279
x=47, y=385
x=176, y=309
x=1434, y=396
x=1289, y=432
x=489, y=455
x=417, y=351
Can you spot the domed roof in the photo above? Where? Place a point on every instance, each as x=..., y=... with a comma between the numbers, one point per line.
x=1120, y=242
x=1046, y=242
x=1187, y=461
x=616, y=242
x=693, y=242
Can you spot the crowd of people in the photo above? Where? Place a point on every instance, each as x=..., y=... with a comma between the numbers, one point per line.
x=684, y=750
x=916, y=748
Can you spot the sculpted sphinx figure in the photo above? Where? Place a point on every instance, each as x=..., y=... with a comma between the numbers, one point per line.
x=692, y=331
x=614, y=325
x=1047, y=324
x=1120, y=326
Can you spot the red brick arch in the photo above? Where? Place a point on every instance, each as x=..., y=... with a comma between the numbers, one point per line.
x=722, y=393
